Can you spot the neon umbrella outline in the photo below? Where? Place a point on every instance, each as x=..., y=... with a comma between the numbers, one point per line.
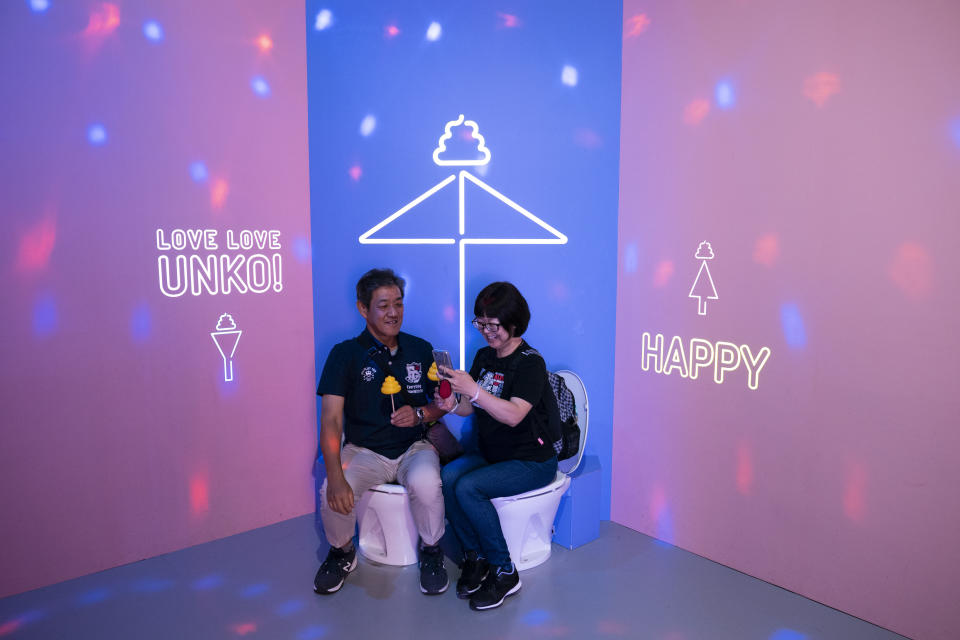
x=559, y=238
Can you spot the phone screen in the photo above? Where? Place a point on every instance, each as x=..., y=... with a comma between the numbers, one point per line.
x=442, y=358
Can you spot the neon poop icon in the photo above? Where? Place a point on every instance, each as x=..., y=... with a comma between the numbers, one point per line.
x=226, y=338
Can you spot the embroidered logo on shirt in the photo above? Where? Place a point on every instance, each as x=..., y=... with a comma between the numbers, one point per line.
x=491, y=382
x=368, y=374
x=414, y=371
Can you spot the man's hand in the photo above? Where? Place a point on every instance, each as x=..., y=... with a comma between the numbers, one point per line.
x=340, y=495
x=405, y=416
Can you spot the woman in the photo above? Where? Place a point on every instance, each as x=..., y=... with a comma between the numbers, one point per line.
x=508, y=389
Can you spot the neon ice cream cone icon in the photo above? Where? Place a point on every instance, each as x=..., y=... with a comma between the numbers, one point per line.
x=226, y=338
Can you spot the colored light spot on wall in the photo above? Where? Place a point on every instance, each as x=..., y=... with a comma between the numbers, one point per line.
x=612, y=628
x=152, y=31
x=744, y=469
x=695, y=112
x=218, y=193
x=208, y=582
x=260, y=86
x=631, y=258
x=855, y=491
x=97, y=134
x=254, y=590
x=355, y=172
x=724, y=95
x=508, y=20
x=289, y=607
x=368, y=125
x=637, y=24
x=39, y=6
x=955, y=131
x=766, y=250
x=660, y=514
x=313, y=632
x=199, y=493
x=141, y=323
x=244, y=628
x=560, y=291
x=662, y=273
x=911, y=270
x=36, y=245
x=94, y=596
x=587, y=138
x=794, y=331
x=391, y=31
x=569, y=76
x=324, y=20
x=449, y=313
x=46, y=319
x=302, y=250
x=198, y=172
x=434, y=31
x=264, y=43
x=787, y=634
x=820, y=87
x=104, y=20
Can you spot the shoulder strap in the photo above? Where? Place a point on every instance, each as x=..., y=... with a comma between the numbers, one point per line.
x=377, y=356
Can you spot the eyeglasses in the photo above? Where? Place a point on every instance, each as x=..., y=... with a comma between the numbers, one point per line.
x=487, y=327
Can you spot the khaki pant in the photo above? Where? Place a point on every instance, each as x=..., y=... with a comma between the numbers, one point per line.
x=417, y=469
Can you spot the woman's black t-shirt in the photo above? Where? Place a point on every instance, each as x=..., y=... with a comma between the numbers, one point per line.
x=522, y=374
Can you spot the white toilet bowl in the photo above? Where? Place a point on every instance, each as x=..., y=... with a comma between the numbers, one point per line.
x=527, y=521
x=527, y=518
x=388, y=534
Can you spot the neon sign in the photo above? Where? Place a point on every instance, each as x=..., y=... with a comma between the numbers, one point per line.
x=686, y=358
x=439, y=158
x=686, y=361
x=212, y=273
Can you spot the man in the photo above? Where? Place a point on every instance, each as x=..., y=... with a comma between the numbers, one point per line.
x=380, y=444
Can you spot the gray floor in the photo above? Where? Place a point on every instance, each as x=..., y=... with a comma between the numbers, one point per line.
x=258, y=585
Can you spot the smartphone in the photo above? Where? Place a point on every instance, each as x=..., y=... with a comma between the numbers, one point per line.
x=442, y=358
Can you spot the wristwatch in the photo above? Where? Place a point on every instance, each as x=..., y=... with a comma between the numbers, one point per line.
x=419, y=411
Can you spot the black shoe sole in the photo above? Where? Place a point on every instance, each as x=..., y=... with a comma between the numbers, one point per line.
x=476, y=607
x=434, y=593
x=349, y=570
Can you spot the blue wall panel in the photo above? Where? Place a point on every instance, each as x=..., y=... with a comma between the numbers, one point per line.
x=542, y=83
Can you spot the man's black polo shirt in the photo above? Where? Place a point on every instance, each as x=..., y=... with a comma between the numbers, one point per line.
x=351, y=372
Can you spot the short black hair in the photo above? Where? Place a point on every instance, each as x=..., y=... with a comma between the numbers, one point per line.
x=503, y=301
x=373, y=280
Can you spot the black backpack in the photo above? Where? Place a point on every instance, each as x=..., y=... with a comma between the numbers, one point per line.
x=568, y=444
x=563, y=430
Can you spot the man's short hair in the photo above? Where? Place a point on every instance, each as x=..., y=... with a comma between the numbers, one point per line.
x=373, y=280
x=503, y=301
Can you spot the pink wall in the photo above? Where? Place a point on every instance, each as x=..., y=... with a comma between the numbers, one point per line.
x=816, y=146
x=120, y=437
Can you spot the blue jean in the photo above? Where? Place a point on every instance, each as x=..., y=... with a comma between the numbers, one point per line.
x=469, y=483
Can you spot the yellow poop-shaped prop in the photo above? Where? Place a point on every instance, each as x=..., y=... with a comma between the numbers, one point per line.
x=432, y=372
x=389, y=387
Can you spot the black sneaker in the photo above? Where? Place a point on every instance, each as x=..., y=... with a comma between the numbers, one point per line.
x=433, y=575
x=334, y=570
x=472, y=573
x=495, y=589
